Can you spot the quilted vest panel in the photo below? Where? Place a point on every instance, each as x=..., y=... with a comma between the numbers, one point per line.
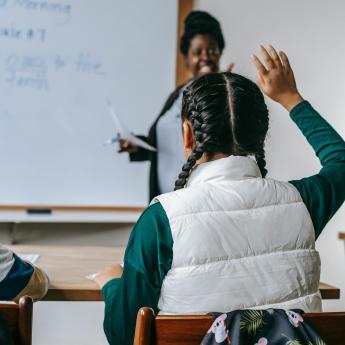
x=240, y=241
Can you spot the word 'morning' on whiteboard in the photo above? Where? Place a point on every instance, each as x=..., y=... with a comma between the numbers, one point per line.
x=41, y=6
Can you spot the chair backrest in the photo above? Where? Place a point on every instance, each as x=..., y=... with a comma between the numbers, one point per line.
x=18, y=318
x=190, y=329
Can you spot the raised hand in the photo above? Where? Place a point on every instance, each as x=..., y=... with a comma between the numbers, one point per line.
x=275, y=77
x=230, y=67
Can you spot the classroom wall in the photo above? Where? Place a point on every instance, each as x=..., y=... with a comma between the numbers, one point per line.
x=311, y=32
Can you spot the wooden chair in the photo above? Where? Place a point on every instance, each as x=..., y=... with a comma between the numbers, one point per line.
x=190, y=329
x=19, y=320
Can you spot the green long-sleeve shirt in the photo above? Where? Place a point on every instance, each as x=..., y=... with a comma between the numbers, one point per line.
x=149, y=253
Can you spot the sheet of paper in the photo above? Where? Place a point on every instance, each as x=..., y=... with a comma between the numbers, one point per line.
x=29, y=257
x=91, y=276
x=123, y=133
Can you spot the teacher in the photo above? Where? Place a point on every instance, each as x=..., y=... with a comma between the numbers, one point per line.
x=201, y=44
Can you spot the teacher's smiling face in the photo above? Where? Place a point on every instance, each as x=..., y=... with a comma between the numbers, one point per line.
x=203, y=55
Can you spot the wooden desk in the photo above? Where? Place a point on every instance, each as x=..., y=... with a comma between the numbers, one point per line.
x=68, y=266
x=329, y=291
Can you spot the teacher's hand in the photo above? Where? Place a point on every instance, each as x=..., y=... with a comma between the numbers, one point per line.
x=107, y=274
x=126, y=146
x=230, y=67
x=276, y=78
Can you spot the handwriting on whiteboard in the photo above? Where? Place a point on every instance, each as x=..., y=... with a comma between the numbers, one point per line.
x=13, y=32
x=37, y=72
x=39, y=6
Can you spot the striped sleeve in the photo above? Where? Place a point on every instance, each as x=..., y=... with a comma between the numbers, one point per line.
x=19, y=278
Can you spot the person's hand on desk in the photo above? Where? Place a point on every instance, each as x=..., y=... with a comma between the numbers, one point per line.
x=108, y=273
x=126, y=146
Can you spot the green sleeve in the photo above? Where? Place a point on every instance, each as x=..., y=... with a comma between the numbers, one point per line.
x=148, y=258
x=324, y=192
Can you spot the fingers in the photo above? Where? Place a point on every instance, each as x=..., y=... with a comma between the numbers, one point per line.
x=266, y=57
x=127, y=146
x=123, y=143
x=230, y=67
x=275, y=77
x=285, y=60
x=258, y=64
x=275, y=57
x=270, y=57
x=123, y=146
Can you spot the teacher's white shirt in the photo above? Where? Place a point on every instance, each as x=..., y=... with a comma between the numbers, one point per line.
x=170, y=146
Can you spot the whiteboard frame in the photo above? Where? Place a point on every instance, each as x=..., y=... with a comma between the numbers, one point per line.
x=123, y=214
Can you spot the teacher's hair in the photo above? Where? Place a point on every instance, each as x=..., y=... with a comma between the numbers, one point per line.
x=228, y=115
x=201, y=23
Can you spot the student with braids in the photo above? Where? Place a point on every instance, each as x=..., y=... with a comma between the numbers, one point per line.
x=229, y=238
x=201, y=44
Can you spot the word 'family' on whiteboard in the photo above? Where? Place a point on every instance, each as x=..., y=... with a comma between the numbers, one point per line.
x=30, y=71
x=39, y=5
x=15, y=33
x=30, y=79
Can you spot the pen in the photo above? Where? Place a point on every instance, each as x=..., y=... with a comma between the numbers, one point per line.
x=111, y=141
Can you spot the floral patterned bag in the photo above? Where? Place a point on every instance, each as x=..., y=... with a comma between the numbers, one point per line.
x=261, y=327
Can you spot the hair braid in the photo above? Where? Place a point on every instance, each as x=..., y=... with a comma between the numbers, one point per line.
x=260, y=160
x=187, y=168
x=199, y=147
x=228, y=115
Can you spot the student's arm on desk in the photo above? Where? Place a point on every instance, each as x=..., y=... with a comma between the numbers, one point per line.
x=147, y=260
x=19, y=278
x=109, y=273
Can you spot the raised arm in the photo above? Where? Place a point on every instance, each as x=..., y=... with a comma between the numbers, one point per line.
x=324, y=192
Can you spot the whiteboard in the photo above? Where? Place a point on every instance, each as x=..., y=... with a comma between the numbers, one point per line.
x=59, y=62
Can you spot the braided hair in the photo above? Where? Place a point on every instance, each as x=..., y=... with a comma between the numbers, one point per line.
x=201, y=23
x=228, y=115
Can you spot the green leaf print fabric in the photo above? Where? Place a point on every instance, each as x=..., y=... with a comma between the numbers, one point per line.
x=261, y=327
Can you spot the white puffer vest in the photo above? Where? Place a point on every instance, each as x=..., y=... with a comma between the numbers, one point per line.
x=240, y=241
